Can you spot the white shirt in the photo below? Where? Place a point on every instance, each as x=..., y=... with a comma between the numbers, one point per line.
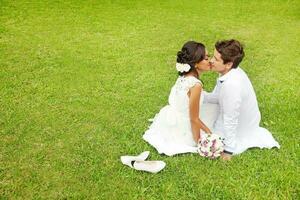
x=239, y=114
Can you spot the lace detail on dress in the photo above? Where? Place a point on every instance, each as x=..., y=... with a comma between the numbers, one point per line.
x=185, y=83
x=171, y=133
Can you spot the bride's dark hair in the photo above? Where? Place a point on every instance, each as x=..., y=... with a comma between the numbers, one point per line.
x=191, y=53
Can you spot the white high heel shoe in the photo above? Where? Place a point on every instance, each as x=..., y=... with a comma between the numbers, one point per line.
x=149, y=166
x=127, y=160
x=139, y=163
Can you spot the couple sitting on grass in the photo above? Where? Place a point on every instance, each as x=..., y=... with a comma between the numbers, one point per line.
x=230, y=110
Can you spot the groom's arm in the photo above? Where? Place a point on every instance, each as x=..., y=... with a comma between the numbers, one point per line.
x=211, y=97
x=230, y=98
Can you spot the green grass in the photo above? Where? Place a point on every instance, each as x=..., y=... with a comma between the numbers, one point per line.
x=78, y=82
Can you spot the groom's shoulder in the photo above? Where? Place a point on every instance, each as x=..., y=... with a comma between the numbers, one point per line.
x=243, y=75
x=239, y=75
x=236, y=79
x=241, y=71
x=235, y=76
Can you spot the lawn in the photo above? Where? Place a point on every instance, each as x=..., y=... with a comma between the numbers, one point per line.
x=79, y=80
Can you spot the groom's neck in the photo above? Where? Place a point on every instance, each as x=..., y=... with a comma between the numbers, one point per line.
x=225, y=72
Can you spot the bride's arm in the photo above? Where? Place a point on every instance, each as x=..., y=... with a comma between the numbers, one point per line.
x=196, y=123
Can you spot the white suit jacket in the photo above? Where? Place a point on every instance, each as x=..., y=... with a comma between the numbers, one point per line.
x=239, y=116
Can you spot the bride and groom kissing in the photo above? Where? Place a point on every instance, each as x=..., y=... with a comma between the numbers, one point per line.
x=230, y=110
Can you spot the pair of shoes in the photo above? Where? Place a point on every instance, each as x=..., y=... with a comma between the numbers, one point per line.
x=139, y=163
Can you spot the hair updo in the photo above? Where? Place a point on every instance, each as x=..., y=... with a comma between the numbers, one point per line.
x=191, y=53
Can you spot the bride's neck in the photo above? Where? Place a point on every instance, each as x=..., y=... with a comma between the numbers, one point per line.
x=195, y=73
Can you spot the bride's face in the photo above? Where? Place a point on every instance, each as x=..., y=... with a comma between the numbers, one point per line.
x=204, y=64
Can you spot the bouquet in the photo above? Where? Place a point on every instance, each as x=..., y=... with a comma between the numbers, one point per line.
x=210, y=146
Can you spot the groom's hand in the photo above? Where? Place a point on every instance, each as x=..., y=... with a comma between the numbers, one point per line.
x=226, y=156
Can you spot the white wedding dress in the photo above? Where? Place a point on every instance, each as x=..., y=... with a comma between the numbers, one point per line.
x=170, y=133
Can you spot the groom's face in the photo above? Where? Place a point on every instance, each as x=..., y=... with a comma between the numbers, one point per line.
x=217, y=63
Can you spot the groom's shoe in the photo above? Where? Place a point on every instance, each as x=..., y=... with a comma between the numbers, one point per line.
x=128, y=160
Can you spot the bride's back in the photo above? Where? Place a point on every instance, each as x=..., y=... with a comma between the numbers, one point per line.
x=178, y=97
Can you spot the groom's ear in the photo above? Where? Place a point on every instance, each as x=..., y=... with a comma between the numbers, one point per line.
x=228, y=65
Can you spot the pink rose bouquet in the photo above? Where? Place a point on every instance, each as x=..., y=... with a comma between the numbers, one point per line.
x=210, y=145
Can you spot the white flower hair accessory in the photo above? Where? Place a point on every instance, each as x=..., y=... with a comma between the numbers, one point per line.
x=183, y=67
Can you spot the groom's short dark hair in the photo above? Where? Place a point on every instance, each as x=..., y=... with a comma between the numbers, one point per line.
x=231, y=51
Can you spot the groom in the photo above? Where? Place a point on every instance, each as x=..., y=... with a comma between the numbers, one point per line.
x=238, y=117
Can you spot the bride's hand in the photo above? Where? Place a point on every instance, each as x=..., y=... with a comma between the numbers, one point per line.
x=209, y=132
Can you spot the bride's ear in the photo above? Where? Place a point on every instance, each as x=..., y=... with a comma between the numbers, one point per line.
x=197, y=65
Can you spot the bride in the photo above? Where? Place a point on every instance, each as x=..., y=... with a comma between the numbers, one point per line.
x=176, y=128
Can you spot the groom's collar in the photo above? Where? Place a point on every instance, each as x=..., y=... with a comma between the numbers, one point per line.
x=228, y=74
